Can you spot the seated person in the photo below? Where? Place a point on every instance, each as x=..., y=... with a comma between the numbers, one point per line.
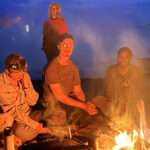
x=122, y=84
x=62, y=85
x=16, y=96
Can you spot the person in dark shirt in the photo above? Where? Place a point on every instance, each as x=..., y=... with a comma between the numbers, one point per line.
x=123, y=85
x=52, y=28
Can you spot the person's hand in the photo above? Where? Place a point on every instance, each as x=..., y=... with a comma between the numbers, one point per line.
x=17, y=141
x=91, y=109
x=24, y=81
x=41, y=129
x=7, y=117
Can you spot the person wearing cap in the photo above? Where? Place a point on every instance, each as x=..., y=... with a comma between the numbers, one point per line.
x=52, y=28
x=62, y=84
x=123, y=84
x=16, y=96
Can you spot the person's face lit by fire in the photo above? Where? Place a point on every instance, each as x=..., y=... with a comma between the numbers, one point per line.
x=15, y=74
x=53, y=11
x=124, y=59
x=66, y=47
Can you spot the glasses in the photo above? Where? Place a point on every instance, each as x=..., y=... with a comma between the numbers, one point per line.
x=52, y=8
x=67, y=45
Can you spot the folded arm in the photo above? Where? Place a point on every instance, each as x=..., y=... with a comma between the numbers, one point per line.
x=79, y=93
x=60, y=96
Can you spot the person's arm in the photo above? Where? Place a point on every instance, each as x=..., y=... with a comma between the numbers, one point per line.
x=8, y=100
x=79, y=92
x=57, y=91
x=44, y=36
x=44, y=43
x=7, y=97
x=25, y=119
x=108, y=83
x=137, y=84
x=30, y=93
x=8, y=106
x=5, y=120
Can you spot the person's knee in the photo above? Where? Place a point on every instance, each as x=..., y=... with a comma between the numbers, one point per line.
x=25, y=133
x=57, y=118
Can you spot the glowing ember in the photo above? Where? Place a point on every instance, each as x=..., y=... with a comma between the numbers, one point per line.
x=142, y=140
x=123, y=140
x=142, y=134
x=97, y=145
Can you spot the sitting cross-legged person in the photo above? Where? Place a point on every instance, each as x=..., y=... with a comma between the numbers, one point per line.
x=16, y=96
x=62, y=85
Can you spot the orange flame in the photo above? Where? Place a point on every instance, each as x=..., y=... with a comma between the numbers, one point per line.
x=142, y=138
x=142, y=134
x=123, y=140
x=97, y=145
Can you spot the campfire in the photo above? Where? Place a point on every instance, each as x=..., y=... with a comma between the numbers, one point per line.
x=129, y=136
x=124, y=140
x=116, y=133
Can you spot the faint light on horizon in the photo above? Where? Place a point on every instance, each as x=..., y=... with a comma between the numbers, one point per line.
x=27, y=27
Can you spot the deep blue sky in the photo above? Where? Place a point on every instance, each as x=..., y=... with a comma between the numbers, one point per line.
x=100, y=28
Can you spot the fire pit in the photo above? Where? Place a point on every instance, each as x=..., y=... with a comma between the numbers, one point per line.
x=76, y=143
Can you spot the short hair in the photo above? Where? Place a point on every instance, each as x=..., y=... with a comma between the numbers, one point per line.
x=125, y=49
x=58, y=9
x=64, y=36
x=15, y=62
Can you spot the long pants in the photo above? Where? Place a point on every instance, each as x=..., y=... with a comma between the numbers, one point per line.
x=26, y=133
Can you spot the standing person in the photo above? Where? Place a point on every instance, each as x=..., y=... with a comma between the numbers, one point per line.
x=62, y=85
x=123, y=85
x=16, y=96
x=52, y=28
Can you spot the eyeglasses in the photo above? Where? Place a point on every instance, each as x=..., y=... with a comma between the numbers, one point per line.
x=67, y=45
x=52, y=8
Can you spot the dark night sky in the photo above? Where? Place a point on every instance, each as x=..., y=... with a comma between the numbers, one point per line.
x=100, y=28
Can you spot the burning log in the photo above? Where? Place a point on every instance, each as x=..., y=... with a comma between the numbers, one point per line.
x=104, y=141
